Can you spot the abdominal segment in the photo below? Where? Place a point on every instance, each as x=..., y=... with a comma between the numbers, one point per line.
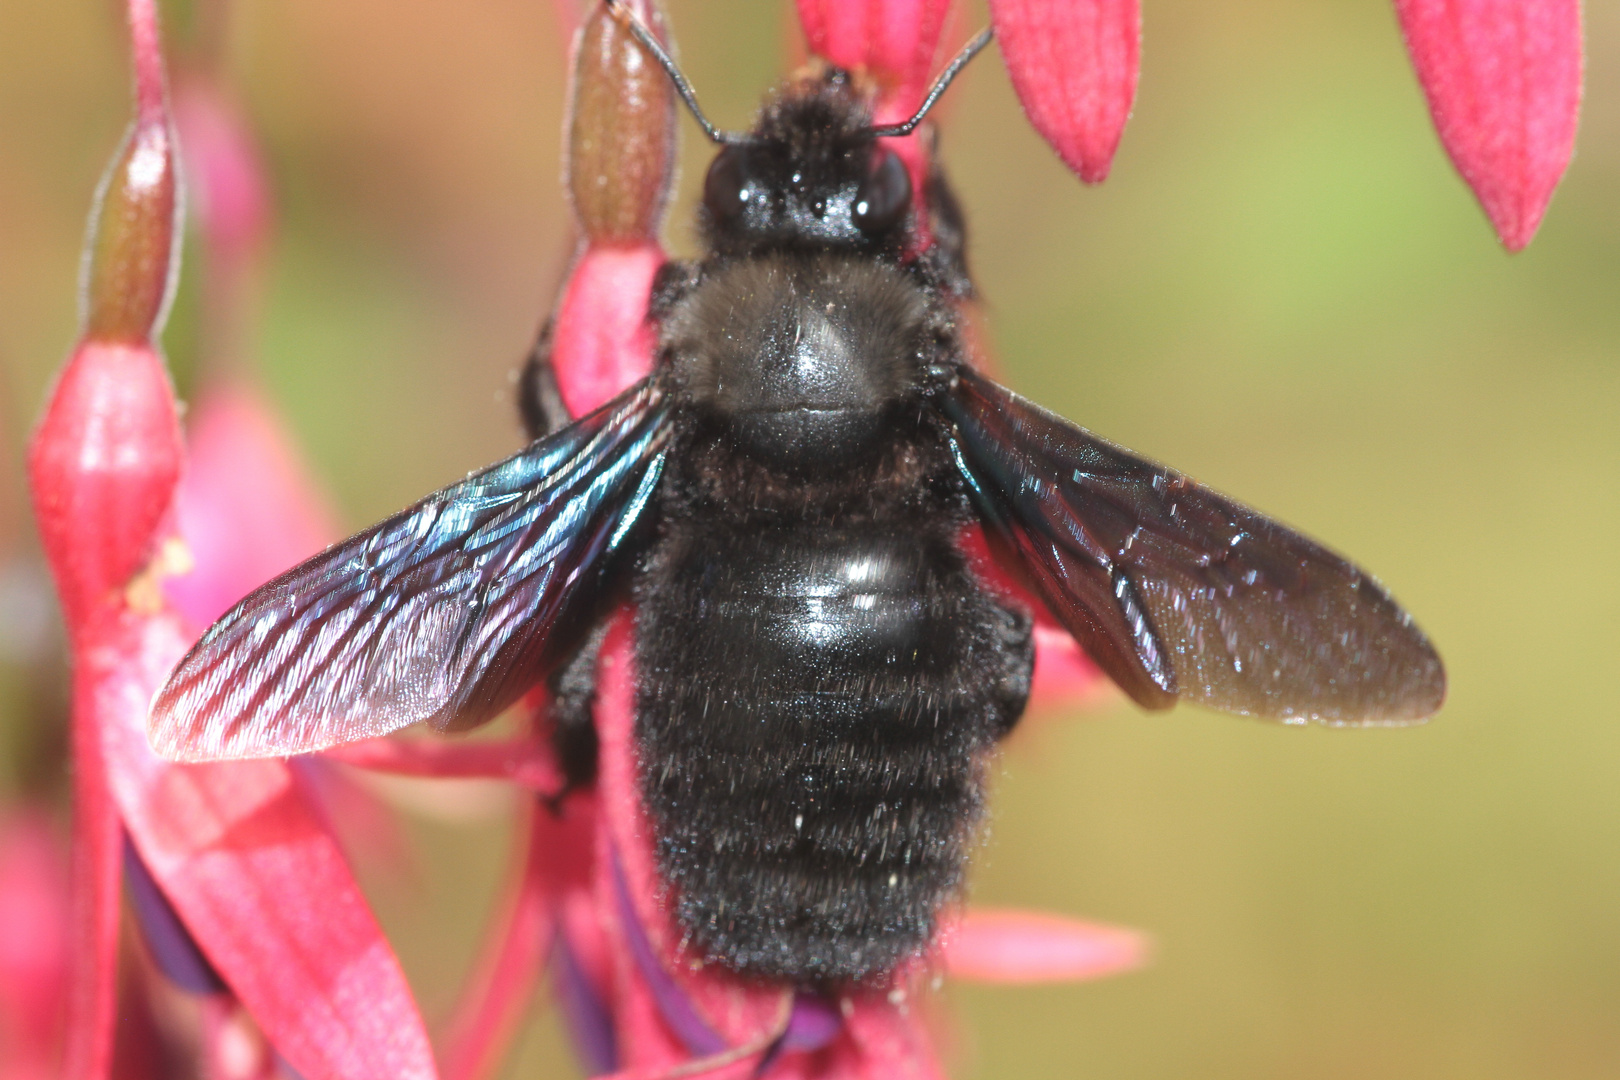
x=815, y=706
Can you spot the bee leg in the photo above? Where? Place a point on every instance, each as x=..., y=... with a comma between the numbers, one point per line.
x=540, y=402
x=571, y=713
x=1014, y=668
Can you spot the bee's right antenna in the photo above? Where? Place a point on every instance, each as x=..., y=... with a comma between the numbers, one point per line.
x=650, y=42
x=952, y=70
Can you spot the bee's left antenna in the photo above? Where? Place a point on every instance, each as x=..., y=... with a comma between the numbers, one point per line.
x=650, y=42
x=946, y=77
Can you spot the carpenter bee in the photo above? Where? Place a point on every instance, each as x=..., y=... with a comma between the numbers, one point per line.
x=821, y=671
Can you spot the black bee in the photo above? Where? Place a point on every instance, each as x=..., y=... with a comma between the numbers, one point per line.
x=821, y=674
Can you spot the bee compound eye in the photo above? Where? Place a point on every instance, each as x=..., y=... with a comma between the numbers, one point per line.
x=728, y=187
x=884, y=196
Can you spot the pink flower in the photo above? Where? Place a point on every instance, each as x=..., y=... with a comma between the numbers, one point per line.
x=237, y=852
x=1073, y=62
x=239, y=885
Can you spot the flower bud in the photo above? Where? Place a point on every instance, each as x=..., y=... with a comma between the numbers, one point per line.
x=132, y=247
x=621, y=128
x=102, y=467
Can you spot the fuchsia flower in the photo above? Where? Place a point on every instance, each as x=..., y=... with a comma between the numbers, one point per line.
x=238, y=852
x=236, y=879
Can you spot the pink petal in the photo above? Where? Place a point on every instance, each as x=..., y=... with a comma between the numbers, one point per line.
x=1503, y=79
x=1073, y=63
x=886, y=1039
x=246, y=506
x=1064, y=677
x=894, y=40
x=367, y=826
x=257, y=879
x=1004, y=946
x=602, y=342
x=34, y=945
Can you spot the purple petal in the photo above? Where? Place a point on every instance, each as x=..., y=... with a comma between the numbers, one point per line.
x=674, y=1006
x=586, y=1014
x=166, y=937
x=814, y=1023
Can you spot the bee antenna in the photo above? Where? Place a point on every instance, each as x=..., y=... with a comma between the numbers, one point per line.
x=946, y=77
x=649, y=41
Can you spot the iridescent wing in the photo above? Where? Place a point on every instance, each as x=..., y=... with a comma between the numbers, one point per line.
x=446, y=612
x=1178, y=592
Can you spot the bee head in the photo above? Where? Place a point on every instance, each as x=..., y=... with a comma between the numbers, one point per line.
x=811, y=174
x=814, y=172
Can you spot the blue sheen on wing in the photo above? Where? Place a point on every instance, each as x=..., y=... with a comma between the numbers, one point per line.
x=443, y=613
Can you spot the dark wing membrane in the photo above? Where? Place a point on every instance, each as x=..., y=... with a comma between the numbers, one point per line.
x=1179, y=592
x=445, y=612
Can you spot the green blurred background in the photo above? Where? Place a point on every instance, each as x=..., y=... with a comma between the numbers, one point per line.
x=1283, y=289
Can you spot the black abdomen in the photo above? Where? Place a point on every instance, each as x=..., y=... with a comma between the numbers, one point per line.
x=815, y=701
